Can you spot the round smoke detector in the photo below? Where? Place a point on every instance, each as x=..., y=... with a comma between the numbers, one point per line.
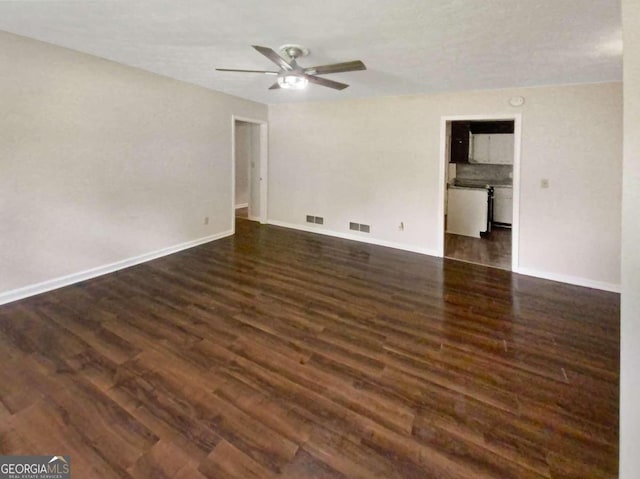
x=294, y=51
x=516, y=101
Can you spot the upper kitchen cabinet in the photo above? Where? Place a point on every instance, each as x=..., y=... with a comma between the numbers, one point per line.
x=495, y=149
x=479, y=148
x=501, y=149
x=482, y=141
x=460, y=136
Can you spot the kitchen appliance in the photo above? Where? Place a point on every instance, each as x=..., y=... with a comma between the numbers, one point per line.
x=490, y=210
x=503, y=206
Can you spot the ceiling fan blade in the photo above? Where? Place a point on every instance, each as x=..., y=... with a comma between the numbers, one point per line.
x=326, y=82
x=273, y=56
x=266, y=72
x=336, y=68
x=275, y=86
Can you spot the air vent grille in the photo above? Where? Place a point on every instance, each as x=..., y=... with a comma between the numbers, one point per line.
x=359, y=227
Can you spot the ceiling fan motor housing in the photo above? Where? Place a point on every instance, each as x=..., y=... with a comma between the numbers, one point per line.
x=294, y=51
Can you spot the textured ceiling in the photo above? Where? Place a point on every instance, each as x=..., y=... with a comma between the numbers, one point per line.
x=409, y=46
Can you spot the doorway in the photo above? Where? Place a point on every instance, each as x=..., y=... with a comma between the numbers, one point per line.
x=249, y=178
x=480, y=169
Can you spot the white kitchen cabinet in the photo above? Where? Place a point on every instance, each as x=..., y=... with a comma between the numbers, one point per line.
x=503, y=205
x=467, y=211
x=480, y=149
x=501, y=149
x=492, y=149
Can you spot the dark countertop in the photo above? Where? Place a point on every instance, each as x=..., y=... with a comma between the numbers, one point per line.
x=458, y=187
x=481, y=183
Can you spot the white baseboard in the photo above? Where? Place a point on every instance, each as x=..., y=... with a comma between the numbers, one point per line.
x=615, y=288
x=49, y=285
x=563, y=278
x=354, y=237
x=242, y=205
x=43, y=287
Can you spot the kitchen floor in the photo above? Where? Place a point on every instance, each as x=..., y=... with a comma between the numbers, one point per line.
x=494, y=250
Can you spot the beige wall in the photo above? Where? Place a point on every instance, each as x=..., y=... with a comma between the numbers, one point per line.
x=630, y=334
x=101, y=162
x=377, y=162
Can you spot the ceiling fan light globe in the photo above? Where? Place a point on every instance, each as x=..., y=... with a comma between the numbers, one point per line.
x=292, y=82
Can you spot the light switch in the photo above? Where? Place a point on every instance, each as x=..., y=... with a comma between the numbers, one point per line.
x=544, y=183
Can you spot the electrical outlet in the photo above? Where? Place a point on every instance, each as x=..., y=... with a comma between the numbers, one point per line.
x=206, y=220
x=311, y=219
x=319, y=220
x=365, y=228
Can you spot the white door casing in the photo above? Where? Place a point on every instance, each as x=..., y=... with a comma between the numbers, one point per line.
x=517, y=146
x=258, y=179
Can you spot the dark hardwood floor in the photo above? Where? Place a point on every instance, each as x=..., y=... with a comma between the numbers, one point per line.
x=493, y=250
x=283, y=354
x=242, y=212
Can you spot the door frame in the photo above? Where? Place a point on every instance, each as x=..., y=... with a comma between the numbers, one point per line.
x=263, y=169
x=517, y=147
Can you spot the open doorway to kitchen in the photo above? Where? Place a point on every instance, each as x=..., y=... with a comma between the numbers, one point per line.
x=249, y=169
x=479, y=190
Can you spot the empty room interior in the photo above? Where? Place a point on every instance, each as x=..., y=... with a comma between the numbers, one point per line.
x=331, y=239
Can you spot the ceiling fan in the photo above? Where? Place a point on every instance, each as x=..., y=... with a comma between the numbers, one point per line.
x=293, y=76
